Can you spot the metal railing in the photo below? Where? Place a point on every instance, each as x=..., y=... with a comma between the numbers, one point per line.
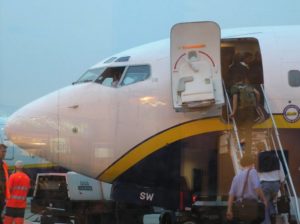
x=236, y=134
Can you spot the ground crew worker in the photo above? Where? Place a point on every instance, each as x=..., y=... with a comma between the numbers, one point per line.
x=19, y=184
x=4, y=192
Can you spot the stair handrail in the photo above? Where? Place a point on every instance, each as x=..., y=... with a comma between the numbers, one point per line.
x=289, y=177
x=233, y=121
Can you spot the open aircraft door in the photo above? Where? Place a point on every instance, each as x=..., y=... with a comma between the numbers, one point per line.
x=195, y=66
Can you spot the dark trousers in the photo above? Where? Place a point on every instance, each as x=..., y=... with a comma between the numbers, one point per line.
x=244, y=222
x=2, y=205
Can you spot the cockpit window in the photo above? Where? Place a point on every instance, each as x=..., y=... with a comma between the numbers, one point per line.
x=111, y=76
x=123, y=59
x=110, y=60
x=135, y=74
x=90, y=75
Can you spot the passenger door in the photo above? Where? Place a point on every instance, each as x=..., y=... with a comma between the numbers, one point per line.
x=195, y=66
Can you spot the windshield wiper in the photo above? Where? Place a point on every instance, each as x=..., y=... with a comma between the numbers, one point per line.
x=87, y=80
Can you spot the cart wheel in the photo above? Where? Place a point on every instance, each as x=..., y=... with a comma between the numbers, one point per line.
x=47, y=219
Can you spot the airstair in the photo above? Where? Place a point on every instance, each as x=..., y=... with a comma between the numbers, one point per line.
x=270, y=137
x=276, y=144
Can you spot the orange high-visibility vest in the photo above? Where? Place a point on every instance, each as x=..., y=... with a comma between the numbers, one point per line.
x=19, y=184
x=5, y=168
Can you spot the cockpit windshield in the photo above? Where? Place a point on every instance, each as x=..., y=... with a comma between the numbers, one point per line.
x=116, y=76
x=111, y=76
x=90, y=75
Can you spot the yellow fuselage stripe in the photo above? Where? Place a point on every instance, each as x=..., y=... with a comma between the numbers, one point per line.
x=159, y=141
x=35, y=166
x=174, y=134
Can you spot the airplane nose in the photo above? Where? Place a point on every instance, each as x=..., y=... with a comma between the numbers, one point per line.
x=67, y=125
x=32, y=126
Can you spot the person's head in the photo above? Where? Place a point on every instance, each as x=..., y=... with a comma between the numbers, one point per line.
x=240, y=79
x=3, y=148
x=247, y=160
x=247, y=57
x=19, y=165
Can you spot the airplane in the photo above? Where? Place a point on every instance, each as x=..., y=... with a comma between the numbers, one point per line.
x=162, y=132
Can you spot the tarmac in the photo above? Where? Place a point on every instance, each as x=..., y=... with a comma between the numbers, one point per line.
x=29, y=217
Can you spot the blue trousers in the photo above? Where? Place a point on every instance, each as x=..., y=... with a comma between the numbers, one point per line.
x=270, y=189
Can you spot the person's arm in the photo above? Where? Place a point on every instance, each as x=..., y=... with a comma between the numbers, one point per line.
x=231, y=197
x=229, y=214
x=234, y=105
x=256, y=184
x=10, y=183
x=257, y=95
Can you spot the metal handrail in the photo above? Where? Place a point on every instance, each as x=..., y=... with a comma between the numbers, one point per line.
x=289, y=177
x=233, y=121
x=285, y=181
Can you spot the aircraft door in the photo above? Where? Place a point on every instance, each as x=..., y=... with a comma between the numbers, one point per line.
x=195, y=66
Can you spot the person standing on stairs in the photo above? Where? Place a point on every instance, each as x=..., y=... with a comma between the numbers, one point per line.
x=245, y=99
x=271, y=177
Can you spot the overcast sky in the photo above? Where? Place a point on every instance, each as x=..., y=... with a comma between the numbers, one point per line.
x=48, y=44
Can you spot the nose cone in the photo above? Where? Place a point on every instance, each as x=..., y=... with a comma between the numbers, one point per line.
x=32, y=126
x=73, y=127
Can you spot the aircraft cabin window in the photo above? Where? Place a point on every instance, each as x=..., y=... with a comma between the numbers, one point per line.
x=135, y=74
x=90, y=75
x=294, y=78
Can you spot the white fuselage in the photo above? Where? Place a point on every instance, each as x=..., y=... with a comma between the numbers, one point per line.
x=87, y=127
